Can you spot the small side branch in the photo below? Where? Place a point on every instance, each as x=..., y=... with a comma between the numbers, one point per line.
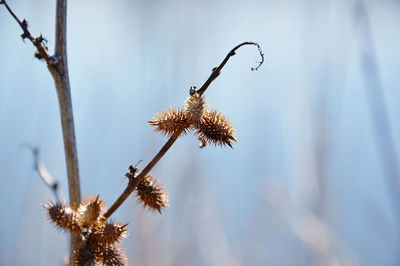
x=39, y=42
x=44, y=174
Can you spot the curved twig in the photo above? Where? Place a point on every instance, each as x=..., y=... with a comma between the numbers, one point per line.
x=218, y=69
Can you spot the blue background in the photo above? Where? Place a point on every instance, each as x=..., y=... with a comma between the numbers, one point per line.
x=308, y=182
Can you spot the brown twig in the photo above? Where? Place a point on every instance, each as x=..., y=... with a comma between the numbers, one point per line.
x=39, y=42
x=218, y=69
x=134, y=181
x=58, y=67
x=61, y=80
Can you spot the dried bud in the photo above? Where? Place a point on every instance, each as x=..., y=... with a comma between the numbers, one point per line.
x=63, y=216
x=215, y=128
x=195, y=107
x=171, y=121
x=109, y=233
x=89, y=211
x=151, y=194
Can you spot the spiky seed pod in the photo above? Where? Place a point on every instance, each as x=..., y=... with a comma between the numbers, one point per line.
x=63, y=216
x=170, y=121
x=195, y=107
x=151, y=195
x=215, y=128
x=111, y=256
x=89, y=211
x=85, y=255
x=109, y=233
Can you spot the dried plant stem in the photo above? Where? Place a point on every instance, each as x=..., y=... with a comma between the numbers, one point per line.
x=58, y=67
x=218, y=69
x=61, y=80
x=37, y=42
x=134, y=182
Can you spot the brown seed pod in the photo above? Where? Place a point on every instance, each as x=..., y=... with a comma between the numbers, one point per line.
x=109, y=233
x=151, y=195
x=63, y=216
x=86, y=254
x=195, y=107
x=111, y=256
x=89, y=211
x=170, y=121
x=216, y=129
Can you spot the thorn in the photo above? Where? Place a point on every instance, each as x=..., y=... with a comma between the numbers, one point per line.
x=25, y=24
x=215, y=69
x=41, y=39
x=24, y=36
x=141, y=160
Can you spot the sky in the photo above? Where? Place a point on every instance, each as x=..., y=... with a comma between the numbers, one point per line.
x=313, y=178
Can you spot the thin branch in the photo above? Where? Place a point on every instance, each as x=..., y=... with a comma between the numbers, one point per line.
x=218, y=69
x=44, y=174
x=134, y=181
x=61, y=80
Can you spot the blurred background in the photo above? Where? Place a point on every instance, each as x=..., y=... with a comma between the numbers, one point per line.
x=313, y=179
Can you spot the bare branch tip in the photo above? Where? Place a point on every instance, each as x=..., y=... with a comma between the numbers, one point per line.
x=261, y=54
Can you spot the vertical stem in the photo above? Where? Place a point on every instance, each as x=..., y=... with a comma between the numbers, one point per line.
x=61, y=79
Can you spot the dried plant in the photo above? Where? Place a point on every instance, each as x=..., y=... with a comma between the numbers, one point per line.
x=169, y=121
x=99, y=238
x=94, y=239
x=151, y=195
x=210, y=126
